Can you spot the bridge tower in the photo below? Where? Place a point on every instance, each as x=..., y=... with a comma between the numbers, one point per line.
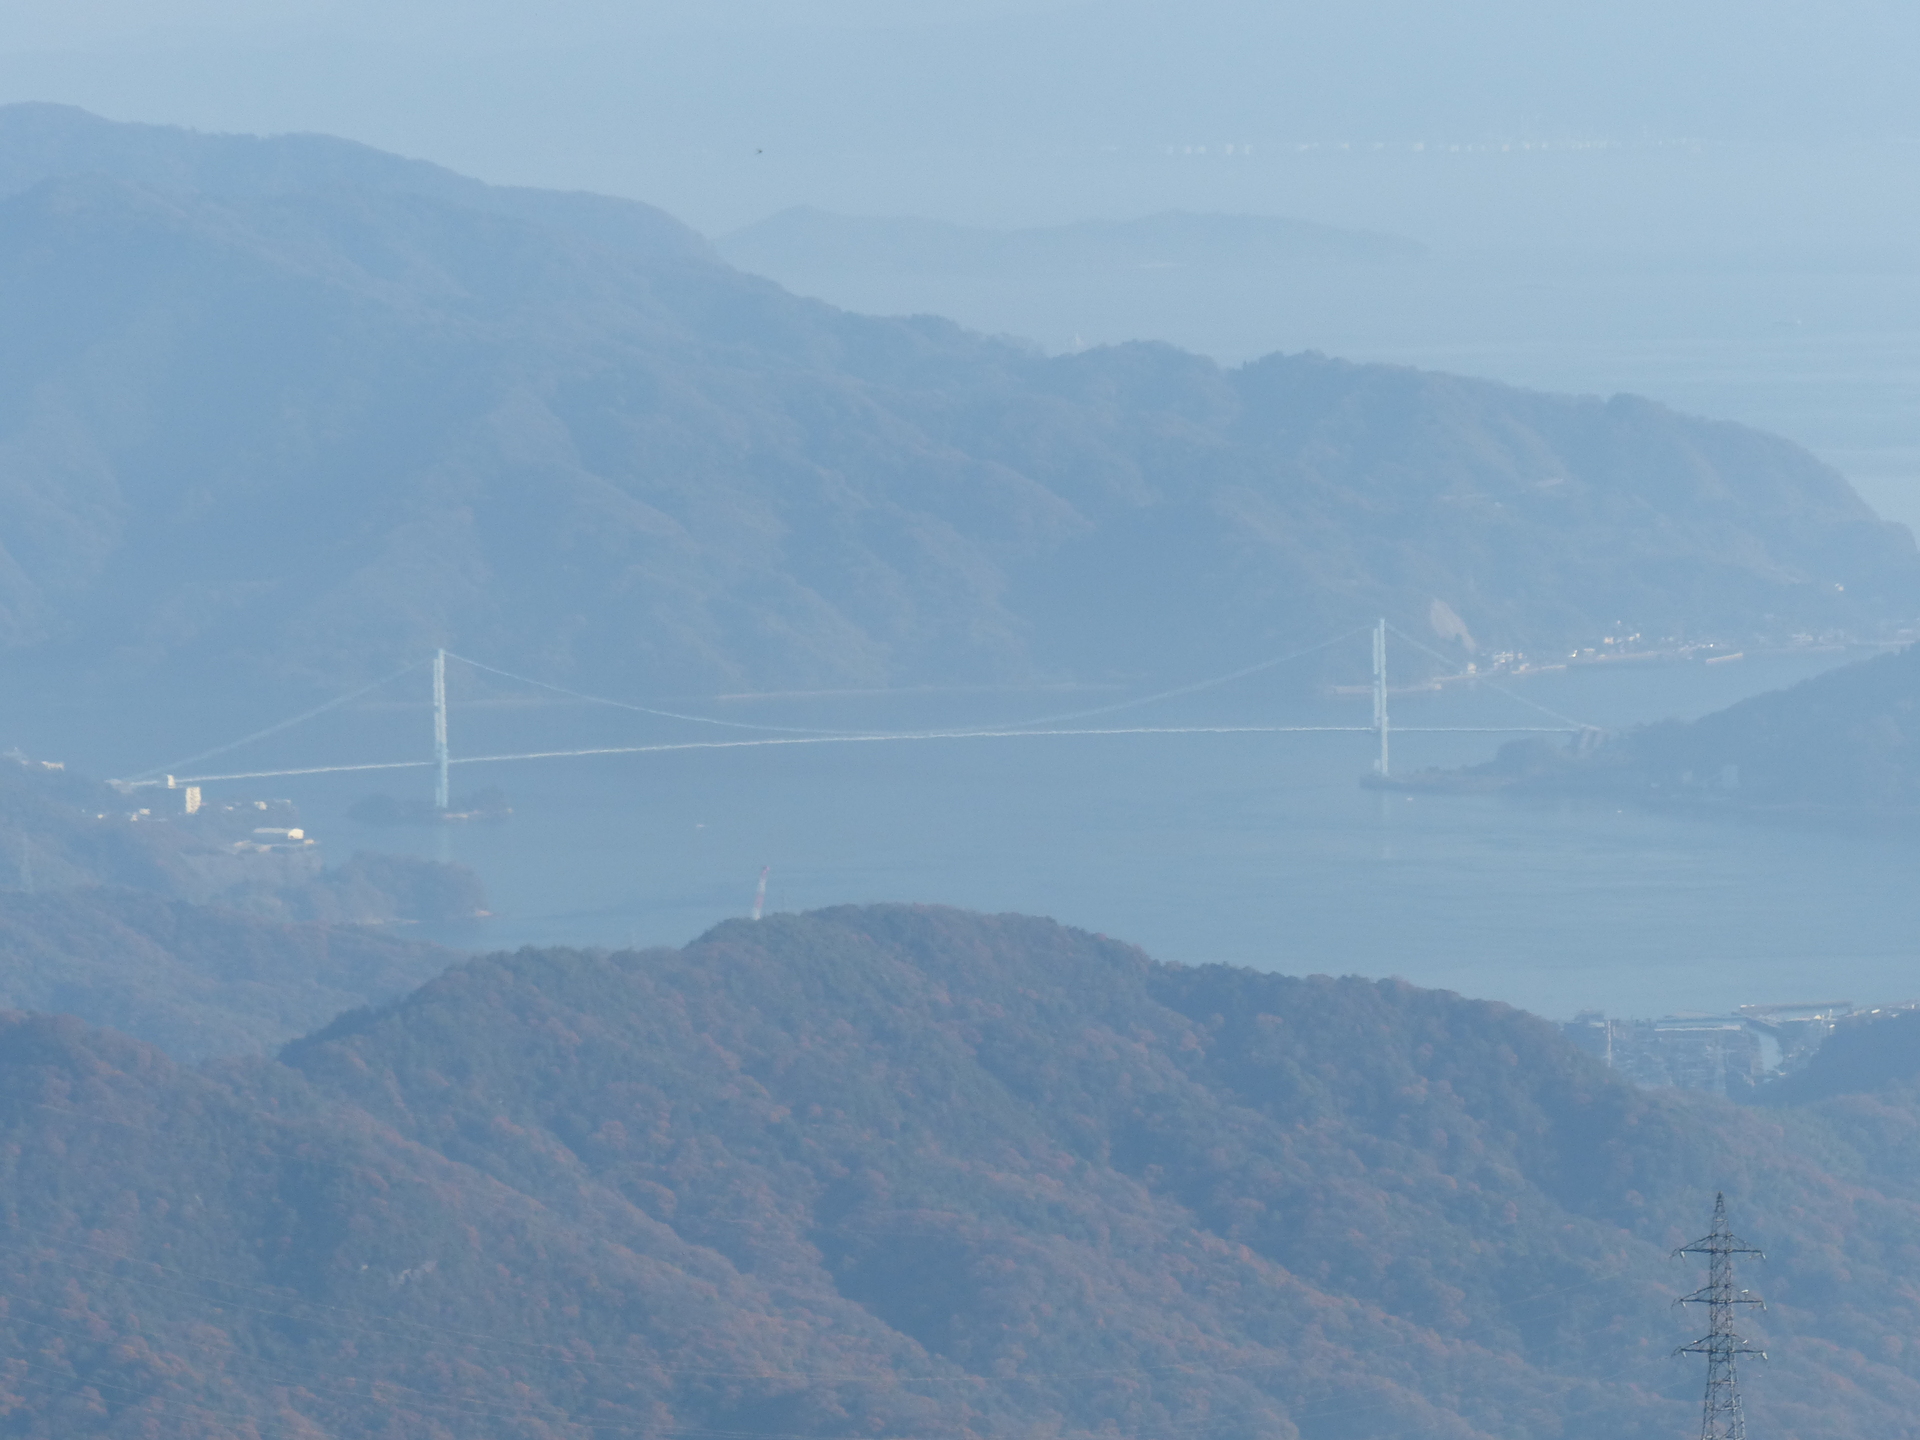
x=1380, y=693
x=1721, y=1418
x=440, y=729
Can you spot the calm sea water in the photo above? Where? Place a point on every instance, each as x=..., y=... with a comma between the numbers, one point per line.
x=1259, y=850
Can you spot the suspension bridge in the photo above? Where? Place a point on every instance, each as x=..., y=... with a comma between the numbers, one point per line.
x=182, y=773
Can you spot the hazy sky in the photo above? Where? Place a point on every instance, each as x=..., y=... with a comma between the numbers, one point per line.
x=1052, y=109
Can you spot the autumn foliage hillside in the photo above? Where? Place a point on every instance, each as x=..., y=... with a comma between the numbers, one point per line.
x=896, y=1171
x=181, y=930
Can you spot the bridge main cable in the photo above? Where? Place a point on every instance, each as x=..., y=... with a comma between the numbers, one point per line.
x=793, y=735
x=879, y=739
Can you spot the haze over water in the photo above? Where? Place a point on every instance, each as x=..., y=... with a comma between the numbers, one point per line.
x=1260, y=850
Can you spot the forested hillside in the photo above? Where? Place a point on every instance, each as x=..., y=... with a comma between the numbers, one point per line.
x=293, y=411
x=194, y=980
x=1843, y=745
x=187, y=930
x=899, y=1171
x=62, y=830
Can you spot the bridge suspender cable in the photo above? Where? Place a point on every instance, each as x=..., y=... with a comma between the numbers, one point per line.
x=1575, y=725
x=440, y=729
x=639, y=709
x=1194, y=688
x=152, y=776
x=1380, y=693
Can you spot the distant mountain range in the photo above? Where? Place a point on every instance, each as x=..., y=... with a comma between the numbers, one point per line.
x=287, y=413
x=911, y=1172
x=804, y=240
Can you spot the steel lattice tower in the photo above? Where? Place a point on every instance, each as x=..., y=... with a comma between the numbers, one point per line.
x=1720, y=1418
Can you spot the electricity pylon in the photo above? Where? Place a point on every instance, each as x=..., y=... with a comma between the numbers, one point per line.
x=1720, y=1418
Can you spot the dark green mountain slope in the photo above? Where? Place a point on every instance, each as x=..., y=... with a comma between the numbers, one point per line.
x=1849, y=739
x=1843, y=745
x=193, y=979
x=912, y=1172
x=1877, y=1051
x=290, y=410
x=60, y=830
x=188, y=932
x=41, y=142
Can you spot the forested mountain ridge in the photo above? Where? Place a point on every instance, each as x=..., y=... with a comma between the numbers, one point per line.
x=907, y=1171
x=40, y=142
x=1844, y=744
x=290, y=411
